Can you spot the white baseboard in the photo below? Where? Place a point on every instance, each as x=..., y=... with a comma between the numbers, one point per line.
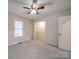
x=51, y=43
x=14, y=43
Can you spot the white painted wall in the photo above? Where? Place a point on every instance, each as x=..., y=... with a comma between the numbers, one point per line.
x=27, y=29
x=51, y=29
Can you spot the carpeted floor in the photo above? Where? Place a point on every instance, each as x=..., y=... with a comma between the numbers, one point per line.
x=36, y=50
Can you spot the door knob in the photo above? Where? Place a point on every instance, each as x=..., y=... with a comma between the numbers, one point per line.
x=59, y=34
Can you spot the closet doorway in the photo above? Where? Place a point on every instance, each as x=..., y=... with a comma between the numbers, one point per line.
x=40, y=30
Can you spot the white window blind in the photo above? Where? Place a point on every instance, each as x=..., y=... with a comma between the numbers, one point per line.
x=18, y=28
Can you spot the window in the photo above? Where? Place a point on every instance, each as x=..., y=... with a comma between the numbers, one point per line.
x=18, y=28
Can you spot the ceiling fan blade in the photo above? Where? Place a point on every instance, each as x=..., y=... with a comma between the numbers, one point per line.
x=25, y=12
x=28, y=12
x=26, y=7
x=41, y=7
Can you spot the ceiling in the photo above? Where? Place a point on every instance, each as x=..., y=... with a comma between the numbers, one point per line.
x=57, y=6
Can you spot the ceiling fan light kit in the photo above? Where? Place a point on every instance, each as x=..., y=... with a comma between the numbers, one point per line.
x=33, y=12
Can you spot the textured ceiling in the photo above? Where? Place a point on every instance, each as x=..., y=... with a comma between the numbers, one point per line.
x=58, y=5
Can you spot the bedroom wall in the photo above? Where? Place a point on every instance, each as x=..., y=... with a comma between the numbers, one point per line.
x=27, y=29
x=51, y=27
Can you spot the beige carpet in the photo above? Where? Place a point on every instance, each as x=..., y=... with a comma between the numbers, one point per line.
x=36, y=50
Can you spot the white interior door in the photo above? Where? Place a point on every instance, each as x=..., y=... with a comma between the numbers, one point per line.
x=40, y=30
x=64, y=36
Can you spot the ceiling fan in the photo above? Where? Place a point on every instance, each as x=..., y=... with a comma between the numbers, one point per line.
x=34, y=7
